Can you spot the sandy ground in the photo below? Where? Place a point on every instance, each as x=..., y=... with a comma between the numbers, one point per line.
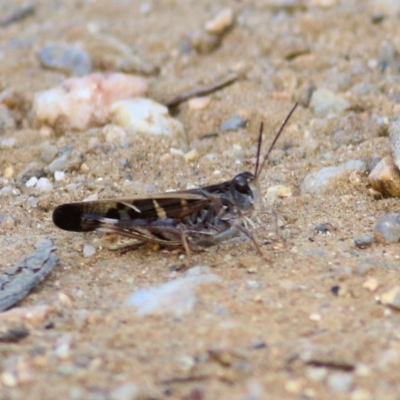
x=301, y=325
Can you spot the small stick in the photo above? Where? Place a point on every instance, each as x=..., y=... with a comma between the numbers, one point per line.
x=202, y=90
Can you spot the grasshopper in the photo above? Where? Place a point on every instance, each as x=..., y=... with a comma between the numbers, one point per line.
x=194, y=218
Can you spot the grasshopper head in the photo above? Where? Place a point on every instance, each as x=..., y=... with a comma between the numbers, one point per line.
x=241, y=192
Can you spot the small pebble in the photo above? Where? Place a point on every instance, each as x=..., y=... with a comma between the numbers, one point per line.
x=88, y=250
x=324, y=228
x=392, y=298
x=59, y=164
x=317, y=182
x=340, y=381
x=8, y=172
x=8, y=143
x=128, y=391
x=65, y=58
x=364, y=241
x=324, y=102
x=361, y=394
x=32, y=182
x=59, y=176
x=8, y=379
x=44, y=185
x=145, y=116
x=371, y=284
x=387, y=229
x=33, y=201
x=199, y=103
x=235, y=123
x=191, y=156
x=278, y=191
x=8, y=222
x=385, y=178
x=315, y=317
x=316, y=374
x=222, y=22
x=48, y=152
x=204, y=42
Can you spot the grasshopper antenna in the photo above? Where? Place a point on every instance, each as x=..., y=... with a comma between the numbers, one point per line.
x=259, y=166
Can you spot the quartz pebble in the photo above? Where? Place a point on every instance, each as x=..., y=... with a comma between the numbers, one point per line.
x=44, y=185
x=59, y=176
x=191, y=155
x=324, y=102
x=32, y=182
x=387, y=229
x=317, y=182
x=114, y=134
x=69, y=59
x=79, y=103
x=177, y=297
x=385, y=178
x=145, y=116
x=33, y=201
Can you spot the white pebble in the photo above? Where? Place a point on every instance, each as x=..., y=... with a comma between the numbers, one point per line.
x=83, y=102
x=88, y=250
x=32, y=182
x=145, y=116
x=59, y=176
x=44, y=185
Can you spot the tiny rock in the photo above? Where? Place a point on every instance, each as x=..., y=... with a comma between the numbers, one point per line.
x=317, y=182
x=324, y=102
x=385, y=178
x=235, y=123
x=145, y=116
x=191, y=155
x=387, y=229
x=66, y=58
x=371, y=284
x=199, y=103
x=392, y=298
x=222, y=22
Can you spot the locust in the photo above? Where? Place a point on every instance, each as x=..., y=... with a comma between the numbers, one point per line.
x=192, y=219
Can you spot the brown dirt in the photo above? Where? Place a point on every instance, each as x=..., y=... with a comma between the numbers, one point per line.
x=215, y=352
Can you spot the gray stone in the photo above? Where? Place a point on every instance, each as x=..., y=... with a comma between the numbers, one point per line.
x=66, y=58
x=387, y=229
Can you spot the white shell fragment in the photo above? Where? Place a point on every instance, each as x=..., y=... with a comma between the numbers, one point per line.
x=80, y=103
x=145, y=116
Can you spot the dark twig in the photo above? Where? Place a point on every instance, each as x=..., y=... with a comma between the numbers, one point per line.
x=202, y=90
